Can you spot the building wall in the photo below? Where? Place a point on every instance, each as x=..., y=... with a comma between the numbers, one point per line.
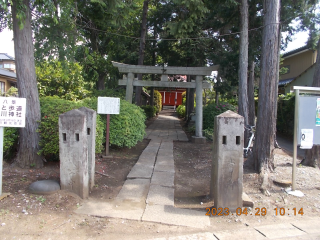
x=7, y=83
x=298, y=63
x=304, y=80
x=8, y=64
x=168, y=97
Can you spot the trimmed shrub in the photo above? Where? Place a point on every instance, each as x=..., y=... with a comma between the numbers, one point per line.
x=157, y=101
x=150, y=111
x=212, y=110
x=10, y=134
x=127, y=128
x=10, y=140
x=184, y=97
x=51, y=108
x=181, y=111
x=285, y=114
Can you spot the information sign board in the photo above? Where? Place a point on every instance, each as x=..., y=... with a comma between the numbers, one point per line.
x=12, y=112
x=108, y=105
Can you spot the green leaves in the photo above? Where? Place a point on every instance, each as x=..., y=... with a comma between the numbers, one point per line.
x=158, y=101
x=127, y=128
x=62, y=79
x=212, y=110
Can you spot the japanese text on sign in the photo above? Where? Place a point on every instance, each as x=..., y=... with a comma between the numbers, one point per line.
x=12, y=112
x=108, y=105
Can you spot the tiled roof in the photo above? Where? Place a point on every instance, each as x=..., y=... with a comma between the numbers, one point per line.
x=285, y=81
x=5, y=56
x=7, y=73
x=287, y=54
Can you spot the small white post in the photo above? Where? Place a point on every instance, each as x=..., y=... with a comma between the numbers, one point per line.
x=295, y=134
x=1, y=157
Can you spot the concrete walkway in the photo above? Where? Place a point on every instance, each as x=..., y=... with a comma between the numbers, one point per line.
x=148, y=192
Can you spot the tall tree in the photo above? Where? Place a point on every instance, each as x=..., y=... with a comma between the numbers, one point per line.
x=251, y=102
x=243, y=63
x=27, y=85
x=142, y=47
x=263, y=151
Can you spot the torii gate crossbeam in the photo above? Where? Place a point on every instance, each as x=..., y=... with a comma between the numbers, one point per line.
x=199, y=72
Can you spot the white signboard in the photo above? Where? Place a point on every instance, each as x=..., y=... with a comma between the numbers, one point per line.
x=12, y=112
x=108, y=105
x=306, y=138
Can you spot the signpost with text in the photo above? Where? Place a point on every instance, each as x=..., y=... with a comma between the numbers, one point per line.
x=108, y=105
x=12, y=114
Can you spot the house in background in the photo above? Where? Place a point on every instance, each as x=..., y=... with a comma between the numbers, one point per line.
x=8, y=77
x=300, y=64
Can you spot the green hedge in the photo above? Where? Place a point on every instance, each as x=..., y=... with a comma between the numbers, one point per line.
x=51, y=108
x=157, y=101
x=126, y=129
x=149, y=111
x=285, y=114
x=181, y=111
x=212, y=110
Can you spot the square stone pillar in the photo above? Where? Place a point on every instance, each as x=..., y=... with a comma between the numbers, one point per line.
x=227, y=163
x=91, y=116
x=74, y=176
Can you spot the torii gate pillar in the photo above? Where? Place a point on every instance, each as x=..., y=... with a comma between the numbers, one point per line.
x=199, y=117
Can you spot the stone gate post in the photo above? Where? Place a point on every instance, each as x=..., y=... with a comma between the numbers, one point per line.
x=91, y=117
x=227, y=163
x=74, y=175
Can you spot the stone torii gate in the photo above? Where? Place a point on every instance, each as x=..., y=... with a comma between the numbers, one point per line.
x=129, y=80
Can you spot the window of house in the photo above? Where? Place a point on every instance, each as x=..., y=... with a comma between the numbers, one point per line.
x=9, y=65
x=2, y=87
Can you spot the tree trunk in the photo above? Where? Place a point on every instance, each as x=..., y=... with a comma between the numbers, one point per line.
x=263, y=151
x=190, y=102
x=243, y=66
x=152, y=97
x=101, y=83
x=251, y=102
x=27, y=87
x=312, y=156
x=142, y=48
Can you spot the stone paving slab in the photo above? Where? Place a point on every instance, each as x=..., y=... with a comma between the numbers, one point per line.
x=160, y=195
x=147, y=159
x=196, y=236
x=165, y=159
x=279, y=231
x=118, y=209
x=310, y=226
x=134, y=190
x=239, y=234
x=150, y=151
x=140, y=170
x=182, y=136
x=163, y=179
x=164, y=167
x=175, y=216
